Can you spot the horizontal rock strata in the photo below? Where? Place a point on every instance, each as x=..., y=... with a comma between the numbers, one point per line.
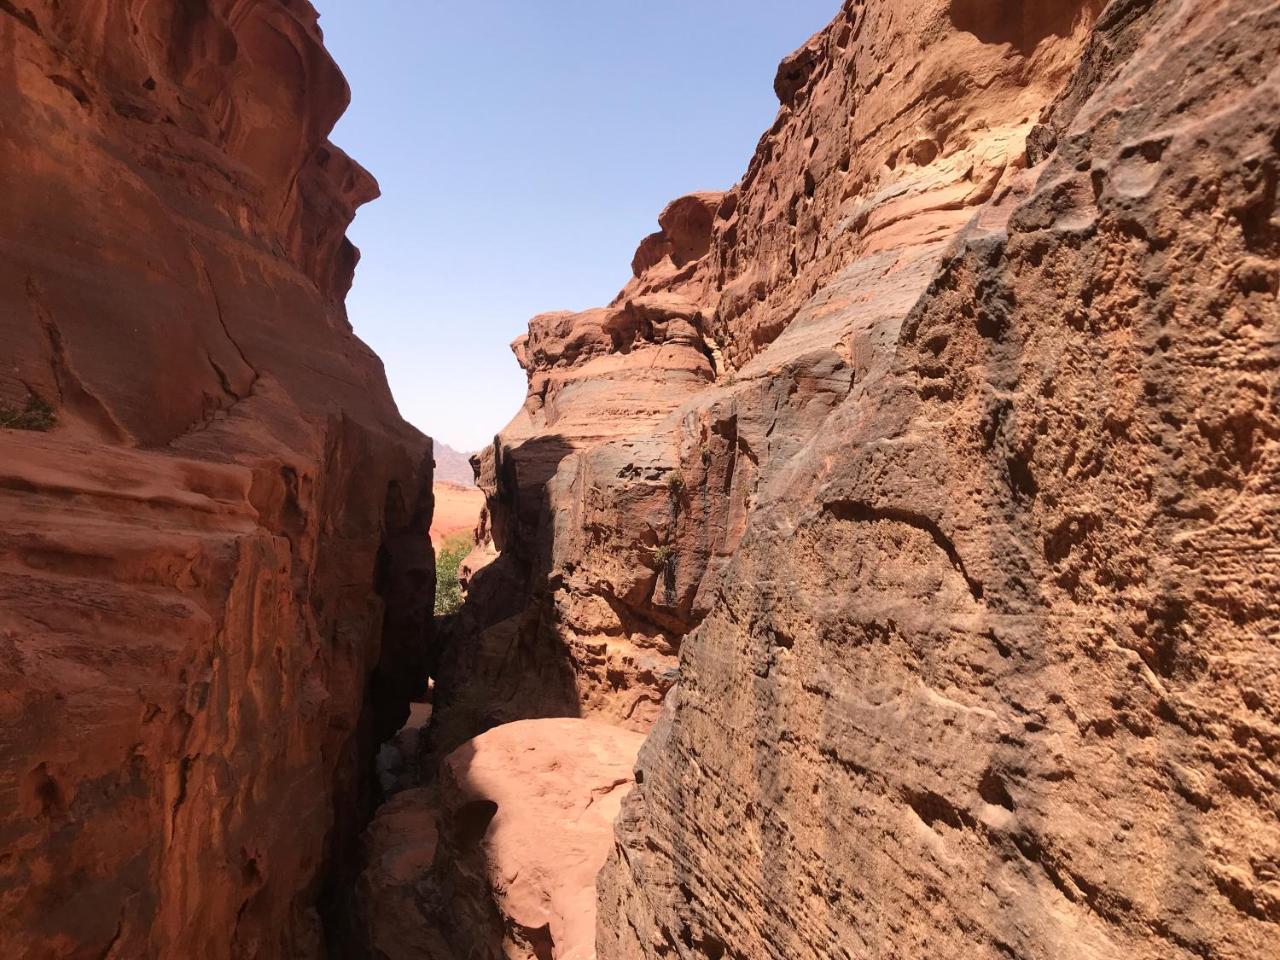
x=214, y=575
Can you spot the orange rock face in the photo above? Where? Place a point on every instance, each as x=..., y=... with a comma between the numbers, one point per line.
x=218, y=551
x=924, y=485
x=653, y=425
x=985, y=674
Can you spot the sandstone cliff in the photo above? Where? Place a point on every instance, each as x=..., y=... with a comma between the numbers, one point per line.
x=924, y=484
x=215, y=581
x=654, y=426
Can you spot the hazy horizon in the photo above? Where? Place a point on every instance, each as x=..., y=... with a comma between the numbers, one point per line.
x=503, y=201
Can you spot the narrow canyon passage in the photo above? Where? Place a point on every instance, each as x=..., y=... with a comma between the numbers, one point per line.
x=889, y=570
x=873, y=501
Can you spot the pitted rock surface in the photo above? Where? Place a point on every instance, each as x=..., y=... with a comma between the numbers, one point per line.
x=922, y=488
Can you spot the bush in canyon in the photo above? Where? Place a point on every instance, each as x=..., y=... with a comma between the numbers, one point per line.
x=448, y=561
x=36, y=415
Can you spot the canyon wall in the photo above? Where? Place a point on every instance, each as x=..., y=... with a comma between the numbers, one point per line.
x=922, y=488
x=215, y=579
x=654, y=426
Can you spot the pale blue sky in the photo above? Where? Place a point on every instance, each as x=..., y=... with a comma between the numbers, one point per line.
x=524, y=148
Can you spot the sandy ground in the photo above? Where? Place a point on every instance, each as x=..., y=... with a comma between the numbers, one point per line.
x=457, y=511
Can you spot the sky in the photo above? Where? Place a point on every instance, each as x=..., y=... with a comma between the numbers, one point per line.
x=524, y=148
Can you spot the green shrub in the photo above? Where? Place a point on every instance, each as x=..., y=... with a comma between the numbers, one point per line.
x=37, y=415
x=448, y=559
x=665, y=556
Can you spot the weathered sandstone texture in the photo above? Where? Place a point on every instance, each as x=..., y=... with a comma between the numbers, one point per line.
x=653, y=426
x=500, y=860
x=993, y=671
x=215, y=580
x=925, y=484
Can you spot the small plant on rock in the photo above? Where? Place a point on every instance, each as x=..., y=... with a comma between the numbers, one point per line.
x=675, y=483
x=37, y=415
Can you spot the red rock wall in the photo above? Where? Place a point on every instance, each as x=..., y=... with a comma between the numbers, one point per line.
x=652, y=426
x=927, y=480
x=992, y=671
x=215, y=580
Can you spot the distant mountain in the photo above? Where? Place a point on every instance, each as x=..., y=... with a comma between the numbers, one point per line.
x=452, y=466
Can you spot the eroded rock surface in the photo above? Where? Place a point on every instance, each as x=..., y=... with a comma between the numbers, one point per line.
x=500, y=859
x=214, y=574
x=623, y=487
x=992, y=672
x=925, y=484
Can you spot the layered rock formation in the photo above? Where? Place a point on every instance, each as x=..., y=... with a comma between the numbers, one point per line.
x=927, y=478
x=651, y=425
x=923, y=488
x=215, y=579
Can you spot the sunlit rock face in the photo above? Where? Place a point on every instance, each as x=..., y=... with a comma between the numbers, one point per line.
x=499, y=857
x=215, y=581
x=655, y=426
x=992, y=671
x=922, y=488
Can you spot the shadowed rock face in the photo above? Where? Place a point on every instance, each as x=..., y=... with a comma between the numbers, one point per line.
x=924, y=483
x=214, y=571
